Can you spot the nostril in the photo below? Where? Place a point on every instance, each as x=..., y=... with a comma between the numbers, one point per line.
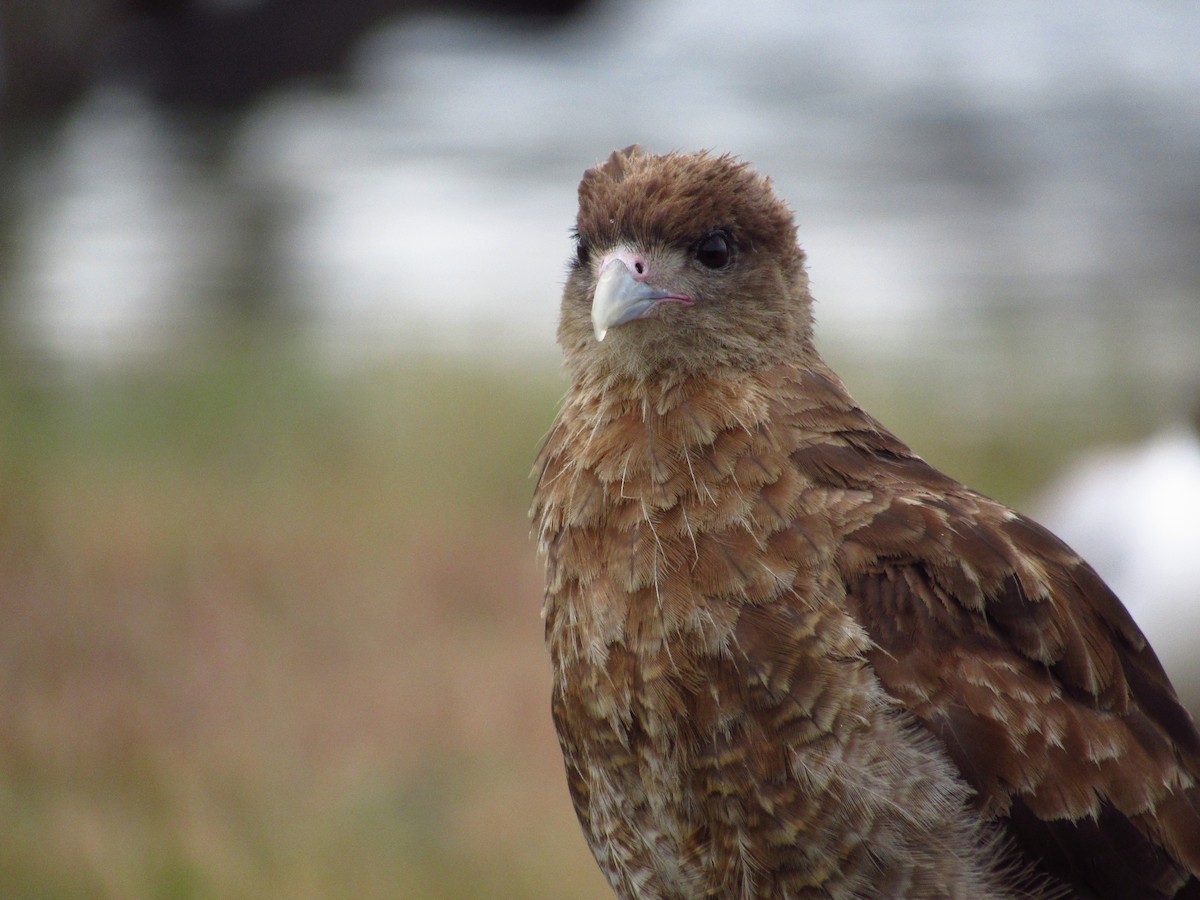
x=635, y=263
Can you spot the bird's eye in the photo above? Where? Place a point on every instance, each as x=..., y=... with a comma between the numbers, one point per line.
x=713, y=251
x=582, y=252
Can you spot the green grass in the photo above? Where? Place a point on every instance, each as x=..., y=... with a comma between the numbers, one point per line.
x=272, y=632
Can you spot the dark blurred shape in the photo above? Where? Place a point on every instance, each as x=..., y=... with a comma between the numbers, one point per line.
x=223, y=56
x=47, y=53
x=206, y=54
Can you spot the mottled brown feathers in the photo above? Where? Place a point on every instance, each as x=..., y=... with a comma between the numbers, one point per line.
x=791, y=659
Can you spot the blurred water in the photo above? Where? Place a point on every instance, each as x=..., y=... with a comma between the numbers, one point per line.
x=975, y=180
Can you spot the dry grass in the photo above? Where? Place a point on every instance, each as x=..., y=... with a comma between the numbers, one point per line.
x=268, y=635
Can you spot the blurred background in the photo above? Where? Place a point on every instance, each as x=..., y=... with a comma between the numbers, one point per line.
x=278, y=288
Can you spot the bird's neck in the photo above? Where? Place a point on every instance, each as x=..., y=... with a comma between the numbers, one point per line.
x=646, y=428
x=642, y=425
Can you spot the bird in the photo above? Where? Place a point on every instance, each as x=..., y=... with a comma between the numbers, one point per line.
x=789, y=658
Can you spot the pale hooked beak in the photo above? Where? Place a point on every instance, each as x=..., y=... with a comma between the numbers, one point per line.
x=621, y=298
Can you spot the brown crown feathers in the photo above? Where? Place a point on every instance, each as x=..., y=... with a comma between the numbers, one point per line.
x=790, y=658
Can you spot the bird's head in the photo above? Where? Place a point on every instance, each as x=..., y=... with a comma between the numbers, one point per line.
x=683, y=263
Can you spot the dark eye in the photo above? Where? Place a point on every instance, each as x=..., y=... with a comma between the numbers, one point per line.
x=582, y=251
x=714, y=251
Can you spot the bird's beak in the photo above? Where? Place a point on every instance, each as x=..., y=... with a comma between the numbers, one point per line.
x=621, y=298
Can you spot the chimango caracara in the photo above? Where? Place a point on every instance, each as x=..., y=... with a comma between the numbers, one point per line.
x=790, y=658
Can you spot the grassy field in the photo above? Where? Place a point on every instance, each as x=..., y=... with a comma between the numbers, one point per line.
x=269, y=632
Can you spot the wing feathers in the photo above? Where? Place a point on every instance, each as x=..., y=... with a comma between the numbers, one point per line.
x=1021, y=661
